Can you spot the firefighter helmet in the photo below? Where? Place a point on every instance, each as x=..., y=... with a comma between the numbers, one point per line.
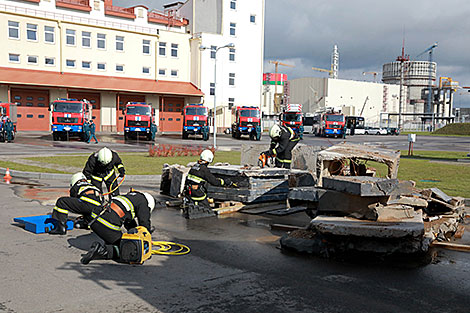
x=275, y=131
x=150, y=201
x=76, y=178
x=207, y=156
x=105, y=156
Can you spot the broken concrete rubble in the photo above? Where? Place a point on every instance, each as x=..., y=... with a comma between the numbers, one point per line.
x=363, y=186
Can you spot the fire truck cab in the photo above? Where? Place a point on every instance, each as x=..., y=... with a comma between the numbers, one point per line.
x=195, y=121
x=246, y=120
x=138, y=120
x=7, y=110
x=68, y=118
x=292, y=117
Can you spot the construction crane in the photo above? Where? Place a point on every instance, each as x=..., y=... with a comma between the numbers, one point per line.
x=429, y=50
x=276, y=97
x=365, y=101
x=373, y=73
x=322, y=70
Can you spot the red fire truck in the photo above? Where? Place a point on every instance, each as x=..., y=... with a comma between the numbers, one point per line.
x=7, y=110
x=68, y=117
x=138, y=119
x=246, y=120
x=195, y=121
x=292, y=117
x=331, y=124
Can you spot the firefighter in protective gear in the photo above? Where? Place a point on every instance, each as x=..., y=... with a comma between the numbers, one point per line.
x=122, y=211
x=9, y=129
x=283, y=141
x=84, y=199
x=196, y=187
x=100, y=168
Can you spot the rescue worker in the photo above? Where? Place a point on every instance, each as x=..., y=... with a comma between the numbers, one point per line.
x=9, y=129
x=84, y=199
x=283, y=141
x=196, y=187
x=153, y=130
x=86, y=131
x=92, y=128
x=122, y=211
x=100, y=168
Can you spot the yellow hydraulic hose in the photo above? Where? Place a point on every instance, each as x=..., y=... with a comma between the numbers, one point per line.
x=120, y=183
x=169, y=248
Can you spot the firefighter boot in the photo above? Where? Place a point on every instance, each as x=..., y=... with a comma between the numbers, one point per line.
x=96, y=252
x=59, y=229
x=81, y=223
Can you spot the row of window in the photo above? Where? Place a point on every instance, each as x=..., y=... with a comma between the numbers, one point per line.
x=49, y=61
x=86, y=39
x=231, y=54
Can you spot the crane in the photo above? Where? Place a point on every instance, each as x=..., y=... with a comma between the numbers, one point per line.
x=373, y=73
x=322, y=70
x=276, y=64
x=429, y=50
x=365, y=101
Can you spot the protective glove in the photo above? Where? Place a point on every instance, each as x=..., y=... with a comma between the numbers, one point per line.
x=122, y=172
x=129, y=224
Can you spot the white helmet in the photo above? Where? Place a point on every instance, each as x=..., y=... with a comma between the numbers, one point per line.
x=207, y=156
x=275, y=131
x=105, y=156
x=150, y=201
x=76, y=177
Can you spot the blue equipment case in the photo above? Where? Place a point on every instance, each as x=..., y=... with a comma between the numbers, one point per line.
x=39, y=224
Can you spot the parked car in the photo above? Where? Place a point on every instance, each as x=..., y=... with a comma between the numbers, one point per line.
x=375, y=131
x=393, y=131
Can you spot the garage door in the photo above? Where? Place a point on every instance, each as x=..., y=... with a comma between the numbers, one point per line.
x=94, y=99
x=33, y=109
x=121, y=101
x=171, y=119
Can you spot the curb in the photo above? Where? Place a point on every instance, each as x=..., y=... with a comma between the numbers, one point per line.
x=54, y=176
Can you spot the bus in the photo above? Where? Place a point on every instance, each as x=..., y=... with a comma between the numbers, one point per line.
x=355, y=125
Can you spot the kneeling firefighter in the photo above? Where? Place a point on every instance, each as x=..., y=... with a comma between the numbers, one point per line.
x=99, y=168
x=122, y=210
x=283, y=141
x=84, y=199
x=196, y=203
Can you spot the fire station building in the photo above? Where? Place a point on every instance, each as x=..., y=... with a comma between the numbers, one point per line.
x=90, y=49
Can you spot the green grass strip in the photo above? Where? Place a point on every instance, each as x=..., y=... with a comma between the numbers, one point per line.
x=28, y=168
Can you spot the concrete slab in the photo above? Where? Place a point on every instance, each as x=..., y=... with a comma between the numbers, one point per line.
x=343, y=226
x=410, y=201
x=304, y=194
x=363, y=186
x=436, y=192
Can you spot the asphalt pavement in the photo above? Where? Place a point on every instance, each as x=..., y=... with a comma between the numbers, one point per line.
x=235, y=264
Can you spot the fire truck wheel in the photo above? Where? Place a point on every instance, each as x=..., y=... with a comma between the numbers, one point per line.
x=55, y=136
x=185, y=135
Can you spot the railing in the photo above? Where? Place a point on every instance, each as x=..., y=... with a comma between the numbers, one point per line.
x=118, y=11
x=76, y=2
x=166, y=19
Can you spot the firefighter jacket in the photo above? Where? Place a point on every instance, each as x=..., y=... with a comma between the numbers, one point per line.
x=196, y=182
x=98, y=171
x=282, y=147
x=133, y=205
x=87, y=192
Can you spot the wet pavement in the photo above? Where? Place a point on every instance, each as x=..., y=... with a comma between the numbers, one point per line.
x=235, y=265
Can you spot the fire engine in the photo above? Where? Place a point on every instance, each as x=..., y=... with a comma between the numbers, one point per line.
x=292, y=117
x=7, y=110
x=68, y=117
x=246, y=120
x=331, y=124
x=138, y=117
x=195, y=121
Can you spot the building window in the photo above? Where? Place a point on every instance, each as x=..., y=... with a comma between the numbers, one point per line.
x=231, y=55
x=212, y=89
x=161, y=71
x=70, y=63
x=213, y=51
x=70, y=37
x=231, y=102
x=174, y=50
x=119, y=68
x=174, y=73
x=101, y=41
x=49, y=61
x=231, y=79
x=32, y=59
x=86, y=39
x=252, y=18
x=119, y=43
x=146, y=70
x=233, y=26
x=13, y=30
x=233, y=4
x=49, y=34
x=162, y=48
x=14, y=58
x=32, y=32
x=101, y=66
x=86, y=65
x=146, y=47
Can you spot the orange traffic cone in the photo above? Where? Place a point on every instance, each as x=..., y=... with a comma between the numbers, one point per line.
x=7, y=176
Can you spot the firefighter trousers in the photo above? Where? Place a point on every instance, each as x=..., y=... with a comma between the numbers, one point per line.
x=64, y=205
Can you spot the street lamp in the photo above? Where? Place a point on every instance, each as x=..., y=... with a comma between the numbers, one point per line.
x=202, y=48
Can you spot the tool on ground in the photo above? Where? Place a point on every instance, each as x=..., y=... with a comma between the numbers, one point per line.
x=137, y=246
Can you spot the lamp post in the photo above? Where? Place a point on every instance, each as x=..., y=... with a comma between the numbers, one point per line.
x=202, y=48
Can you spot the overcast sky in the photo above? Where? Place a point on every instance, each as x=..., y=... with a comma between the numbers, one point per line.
x=368, y=33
